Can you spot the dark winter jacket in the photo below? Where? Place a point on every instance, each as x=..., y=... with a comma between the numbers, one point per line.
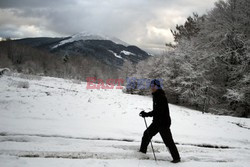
x=160, y=111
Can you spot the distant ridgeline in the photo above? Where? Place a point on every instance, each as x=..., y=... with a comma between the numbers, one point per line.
x=110, y=51
x=79, y=56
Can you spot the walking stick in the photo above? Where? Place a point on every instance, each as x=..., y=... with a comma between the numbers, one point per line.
x=150, y=140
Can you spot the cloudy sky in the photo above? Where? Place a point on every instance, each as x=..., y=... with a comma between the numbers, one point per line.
x=145, y=23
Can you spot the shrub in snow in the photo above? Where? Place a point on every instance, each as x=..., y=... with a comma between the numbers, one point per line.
x=4, y=71
x=30, y=77
x=75, y=81
x=48, y=93
x=234, y=95
x=89, y=100
x=23, y=84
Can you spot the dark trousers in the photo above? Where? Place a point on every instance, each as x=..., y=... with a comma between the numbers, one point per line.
x=167, y=138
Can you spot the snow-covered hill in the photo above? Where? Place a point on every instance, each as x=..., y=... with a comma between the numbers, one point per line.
x=55, y=122
x=109, y=50
x=89, y=36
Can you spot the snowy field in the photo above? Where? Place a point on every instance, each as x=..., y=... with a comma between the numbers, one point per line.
x=57, y=122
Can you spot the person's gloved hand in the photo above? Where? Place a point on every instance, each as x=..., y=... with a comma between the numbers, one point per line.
x=143, y=114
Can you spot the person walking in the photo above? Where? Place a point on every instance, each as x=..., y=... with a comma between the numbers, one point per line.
x=161, y=122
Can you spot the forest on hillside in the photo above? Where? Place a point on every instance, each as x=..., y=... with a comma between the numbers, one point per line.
x=29, y=60
x=208, y=66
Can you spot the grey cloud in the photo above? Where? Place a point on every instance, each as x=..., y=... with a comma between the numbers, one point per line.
x=33, y=3
x=142, y=22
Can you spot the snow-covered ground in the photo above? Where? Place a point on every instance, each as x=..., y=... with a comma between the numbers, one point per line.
x=57, y=122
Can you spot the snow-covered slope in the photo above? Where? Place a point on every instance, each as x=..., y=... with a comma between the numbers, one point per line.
x=107, y=50
x=89, y=36
x=57, y=122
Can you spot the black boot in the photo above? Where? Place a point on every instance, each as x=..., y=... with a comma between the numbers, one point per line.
x=144, y=152
x=176, y=161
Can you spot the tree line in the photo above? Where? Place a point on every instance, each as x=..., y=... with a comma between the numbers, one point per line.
x=28, y=60
x=208, y=65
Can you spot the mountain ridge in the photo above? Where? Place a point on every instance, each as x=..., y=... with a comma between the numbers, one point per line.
x=103, y=48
